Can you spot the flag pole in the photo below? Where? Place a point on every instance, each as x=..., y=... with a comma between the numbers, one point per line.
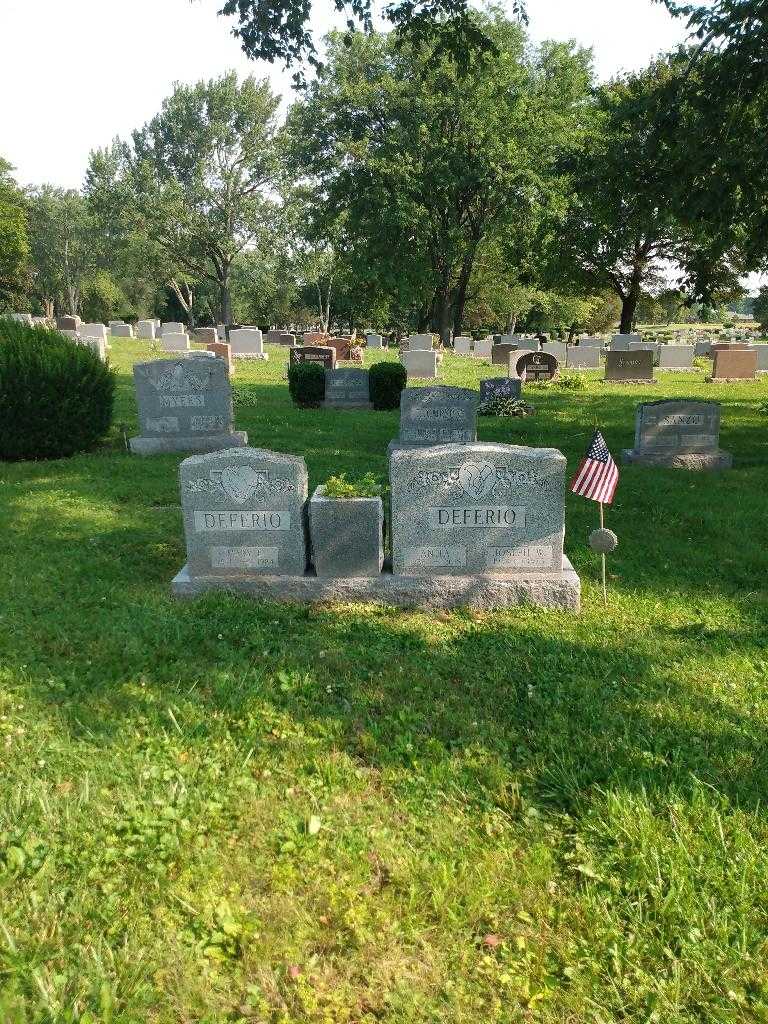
x=602, y=556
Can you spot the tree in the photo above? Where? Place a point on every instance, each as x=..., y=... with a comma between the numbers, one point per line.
x=279, y=29
x=14, y=243
x=63, y=243
x=429, y=167
x=194, y=186
x=760, y=309
x=619, y=231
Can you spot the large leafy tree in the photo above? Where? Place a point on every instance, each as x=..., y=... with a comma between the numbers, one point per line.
x=14, y=243
x=427, y=167
x=620, y=230
x=64, y=247
x=279, y=30
x=194, y=188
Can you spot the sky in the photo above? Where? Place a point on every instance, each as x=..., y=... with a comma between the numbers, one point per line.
x=76, y=73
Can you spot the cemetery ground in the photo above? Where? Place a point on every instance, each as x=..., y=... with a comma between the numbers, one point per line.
x=225, y=810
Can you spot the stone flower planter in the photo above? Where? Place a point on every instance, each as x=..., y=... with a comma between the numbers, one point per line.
x=346, y=535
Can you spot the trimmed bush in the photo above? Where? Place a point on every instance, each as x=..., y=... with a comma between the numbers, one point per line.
x=385, y=382
x=306, y=383
x=56, y=396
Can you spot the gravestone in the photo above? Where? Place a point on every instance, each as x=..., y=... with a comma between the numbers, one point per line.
x=146, y=330
x=590, y=342
x=500, y=387
x=288, y=339
x=273, y=337
x=500, y=353
x=509, y=339
x=75, y=336
x=629, y=367
x=341, y=345
x=735, y=364
x=578, y=358
x=676, y=357
x=223, y=351
x=173, y=328
x=185, y=405
x=121, y=331
x=97, y=345
x=483, y=348
x=247, y=343
x=479, y=509
x=678, y=434
x=703, y=348
x=462, y=345
x=94, y=331
x=421, y=363
x=347, y=389
x=558, y=349
x=313, y=338
x=645, y=346
x=762, y=357
x=436, y=415
x=534, y=366
x=243, y=514
x=346, y=535
x=175, y=342
x=621, y=342
x=68, y=323
x=374, y=341
x=420, y=342
x=322, y=354
x=206, y=335
x=529, y=345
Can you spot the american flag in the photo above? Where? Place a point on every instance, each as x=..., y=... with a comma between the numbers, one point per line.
x=597, y=475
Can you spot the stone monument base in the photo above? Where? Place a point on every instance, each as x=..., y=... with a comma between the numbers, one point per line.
x=368, y=406
x=174, y=443
x=694, y=461
x=485, y=591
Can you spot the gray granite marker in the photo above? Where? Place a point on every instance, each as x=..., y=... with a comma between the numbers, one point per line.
x=185, y=405
x=436, y=415
x=678, y=434
x=347, y=389
x=462, y=509
x=244, y=513
x=346, y=535
x=629, y=367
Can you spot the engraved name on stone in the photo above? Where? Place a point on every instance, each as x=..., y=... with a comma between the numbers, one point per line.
x=501, y=516
x=245, y=558
x=163, y=424
x=234, y=521
x=681, y=420
x=206, y=422
x=436, y=557
x=181, y=401
x=533, y=556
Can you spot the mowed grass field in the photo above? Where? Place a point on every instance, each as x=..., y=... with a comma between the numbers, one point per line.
x=233, y=811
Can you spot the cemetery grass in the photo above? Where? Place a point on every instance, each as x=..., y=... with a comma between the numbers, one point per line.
x=227, y=810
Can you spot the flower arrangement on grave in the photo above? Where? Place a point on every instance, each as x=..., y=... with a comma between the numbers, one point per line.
x=501, y=406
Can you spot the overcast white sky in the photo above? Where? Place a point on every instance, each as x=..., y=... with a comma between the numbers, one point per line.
x=75, y=73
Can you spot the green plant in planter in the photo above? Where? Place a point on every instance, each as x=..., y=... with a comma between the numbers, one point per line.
x=385, y=382
x=56, y=397
x=306, y=384
x=366, y=487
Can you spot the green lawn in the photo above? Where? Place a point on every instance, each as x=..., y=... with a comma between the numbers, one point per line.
x=227, y=810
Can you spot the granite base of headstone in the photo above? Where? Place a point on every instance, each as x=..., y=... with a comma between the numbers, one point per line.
x=678, y=434
x=185, y=405
x=347, y=388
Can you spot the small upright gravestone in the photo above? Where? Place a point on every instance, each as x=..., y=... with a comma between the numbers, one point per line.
x=500, y=387
x=243, y=515
x=347, y=389
x=68, y=323
x=621, y=342
x=678, y=358
x=462, y=345
x=500, y=353
x=483, y=348
x=534, y=366
x=374, y=341
x=185, y=405
x=735, y=364
x=578, y=358
x=420, y=343
x=247, y=343
x=322, y=354
x=121, y=331
x=678, y=434
x=475, y=510
x=421, y=363
x=629, y=367
x=436, y=415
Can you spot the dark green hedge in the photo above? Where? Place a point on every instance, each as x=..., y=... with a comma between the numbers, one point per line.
x=385, y=382
x=306, y=383
x=56, y=396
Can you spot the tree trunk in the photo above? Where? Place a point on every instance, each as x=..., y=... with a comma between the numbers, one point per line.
x=225, y=298
x=48, y=308
x=628, y=309
x=443, y=309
